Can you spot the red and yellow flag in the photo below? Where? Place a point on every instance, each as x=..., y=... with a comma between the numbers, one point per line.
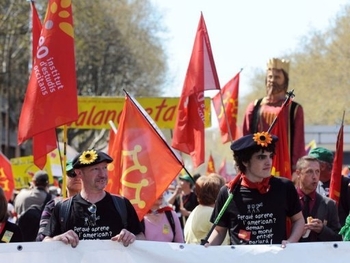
x=201, y=75
x=227, y=113
x=144, y=165
x=53, y=79
x=7, y=182
x=335, y=184
x=281, y=161
x=211, y=165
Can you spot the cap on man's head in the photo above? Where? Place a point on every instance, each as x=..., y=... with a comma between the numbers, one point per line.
x=277, y=63
x=90, y=157
x=41, y=178
x=322, y=154
x=186, y=177
x=262, y=139
x=69, y=169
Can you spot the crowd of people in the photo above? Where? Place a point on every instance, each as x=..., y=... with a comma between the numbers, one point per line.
x=253, y=208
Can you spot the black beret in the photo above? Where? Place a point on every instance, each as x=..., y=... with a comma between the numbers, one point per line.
x=262, y=139
x=90, y=157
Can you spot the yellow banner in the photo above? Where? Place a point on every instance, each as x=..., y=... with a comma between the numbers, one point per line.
x=23, y=169
x=96, y=112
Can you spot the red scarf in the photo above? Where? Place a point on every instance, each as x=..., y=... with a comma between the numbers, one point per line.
x=263, y=187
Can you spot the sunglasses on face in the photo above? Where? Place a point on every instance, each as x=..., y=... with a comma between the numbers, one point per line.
x=71, y=174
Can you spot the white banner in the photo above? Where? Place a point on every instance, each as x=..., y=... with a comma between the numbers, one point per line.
x=149, y=252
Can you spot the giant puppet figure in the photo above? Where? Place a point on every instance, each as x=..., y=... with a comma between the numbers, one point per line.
x=260, y=113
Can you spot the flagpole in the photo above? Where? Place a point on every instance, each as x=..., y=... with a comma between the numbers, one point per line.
x=64, y=168
x=290, y=94
x=237, y=179
x=164, y=141
x=225, y=115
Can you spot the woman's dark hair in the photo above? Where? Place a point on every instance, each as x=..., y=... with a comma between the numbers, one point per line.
x=243, y=156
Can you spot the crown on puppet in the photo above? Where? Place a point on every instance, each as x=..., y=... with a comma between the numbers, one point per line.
x=263, y=139
x=277, y=63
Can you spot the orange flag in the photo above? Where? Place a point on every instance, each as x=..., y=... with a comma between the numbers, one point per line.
x=211, y=165
x=335, y=184
x=281, y=161
x=52, y=81
x=144, y=165
x=227, y=115
x=201, y=75
x=7, y=182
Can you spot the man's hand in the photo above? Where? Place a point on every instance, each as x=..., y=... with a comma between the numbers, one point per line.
x=69, y=237
x=125, y=237
x=315, y=225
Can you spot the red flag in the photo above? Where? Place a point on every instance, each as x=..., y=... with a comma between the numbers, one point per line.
x=53, y=79
x=36, y=29
x=7, y=182
x=201, y=75
x=335, y=184
x=211, y=165
x=281, y=161
x=229, y=95
x=44, y=142
x=144, y=165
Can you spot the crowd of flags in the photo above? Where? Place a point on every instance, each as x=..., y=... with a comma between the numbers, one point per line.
x=137, y=172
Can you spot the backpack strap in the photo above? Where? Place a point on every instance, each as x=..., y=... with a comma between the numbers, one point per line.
x=254, y=119
x=63, y=214
x=119, y=204
x=47, y=199
x=170, y=218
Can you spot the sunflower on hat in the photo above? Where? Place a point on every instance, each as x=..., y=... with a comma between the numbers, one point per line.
x=88, y=157
x=262, y=138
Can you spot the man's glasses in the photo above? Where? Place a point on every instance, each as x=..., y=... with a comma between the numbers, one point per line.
x=92, y=218
x=71, y=174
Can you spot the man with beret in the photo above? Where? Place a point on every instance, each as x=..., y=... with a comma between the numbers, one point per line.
x=260, y=113
x=262, y=205
x=325, y=158
x=93, y=213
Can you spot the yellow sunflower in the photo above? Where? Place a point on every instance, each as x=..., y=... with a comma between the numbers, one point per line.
x=88, y=157
x=262, y=138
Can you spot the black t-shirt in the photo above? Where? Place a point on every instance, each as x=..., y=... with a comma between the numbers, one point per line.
x=189, y=202
x=108, y=222
x=254, y=218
